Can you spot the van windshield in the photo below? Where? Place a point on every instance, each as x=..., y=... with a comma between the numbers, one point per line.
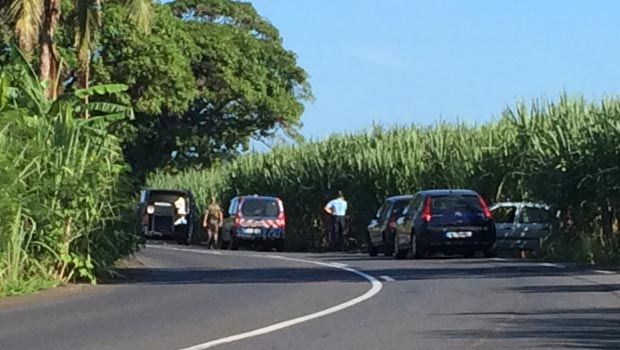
x=260, y=207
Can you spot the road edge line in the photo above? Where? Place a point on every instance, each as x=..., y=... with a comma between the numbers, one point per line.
x=375, y=288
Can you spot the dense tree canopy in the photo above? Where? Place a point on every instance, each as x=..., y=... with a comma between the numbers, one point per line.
x=204, y=79
x=211, y=75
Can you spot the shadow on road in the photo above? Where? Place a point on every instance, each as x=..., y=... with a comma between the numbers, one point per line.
x=230, y=276
x=589, y=328
x=481, y=270
x=576, y=288
x=307, y=275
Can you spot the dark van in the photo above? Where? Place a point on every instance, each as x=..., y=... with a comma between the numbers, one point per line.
x=167, y=214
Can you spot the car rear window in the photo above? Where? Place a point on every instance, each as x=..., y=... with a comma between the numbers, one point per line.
x=531, y=215
x=504, y=215
x=260, y=207
x=455, y=202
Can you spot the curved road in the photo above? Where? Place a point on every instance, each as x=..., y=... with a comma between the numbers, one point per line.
x=184, y=297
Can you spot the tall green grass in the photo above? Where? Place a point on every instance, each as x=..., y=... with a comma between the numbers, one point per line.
x=565, y=153
x=63, y=188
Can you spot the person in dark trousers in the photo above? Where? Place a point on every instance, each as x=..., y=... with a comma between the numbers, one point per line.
x=337, y=208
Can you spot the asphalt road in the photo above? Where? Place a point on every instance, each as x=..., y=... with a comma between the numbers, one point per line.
x=180, y=299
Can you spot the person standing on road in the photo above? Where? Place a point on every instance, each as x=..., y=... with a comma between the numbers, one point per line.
x=212, y=221
x=337, y=208
x=181, y=206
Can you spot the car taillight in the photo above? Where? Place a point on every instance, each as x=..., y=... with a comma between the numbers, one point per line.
x=238, y=216
x=426, y=212
x=485, y=208
x=281, y=221
x=237, y=222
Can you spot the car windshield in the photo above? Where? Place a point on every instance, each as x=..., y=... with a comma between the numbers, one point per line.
x=397, y=210
x=455, y=202
x=260, y=207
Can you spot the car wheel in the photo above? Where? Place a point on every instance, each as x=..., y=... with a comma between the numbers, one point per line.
x=399, y=253
x=490, y=252
x=416, y=249
x=372, y=250
x=388, y=244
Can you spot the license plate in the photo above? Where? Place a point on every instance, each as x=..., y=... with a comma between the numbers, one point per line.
x=251, y=231
x=459, y=234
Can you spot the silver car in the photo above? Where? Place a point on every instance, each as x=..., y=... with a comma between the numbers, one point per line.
x=521, y=226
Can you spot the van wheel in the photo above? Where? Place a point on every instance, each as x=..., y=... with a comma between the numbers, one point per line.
x=183, y=239
x=279, y=245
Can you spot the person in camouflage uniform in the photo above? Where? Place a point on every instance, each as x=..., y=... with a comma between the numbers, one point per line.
x=212, y=221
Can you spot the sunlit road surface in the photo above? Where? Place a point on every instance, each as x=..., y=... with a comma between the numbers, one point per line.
x=190, y=298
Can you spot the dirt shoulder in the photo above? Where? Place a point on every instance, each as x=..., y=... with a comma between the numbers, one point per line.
x=71, y=289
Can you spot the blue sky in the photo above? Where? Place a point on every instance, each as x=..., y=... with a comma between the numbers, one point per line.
x=409, y=61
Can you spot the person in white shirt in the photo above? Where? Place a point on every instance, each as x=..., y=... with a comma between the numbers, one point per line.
x=181, y=206
x=337, y=208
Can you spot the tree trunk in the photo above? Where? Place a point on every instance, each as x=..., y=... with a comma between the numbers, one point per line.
x=48, y=64
x=83, y=83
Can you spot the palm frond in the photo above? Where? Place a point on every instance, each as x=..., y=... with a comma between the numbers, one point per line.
x=27, y=15
x=141, y=13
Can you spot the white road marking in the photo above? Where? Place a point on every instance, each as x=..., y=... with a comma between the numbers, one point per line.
x=339, y=264
x=605, y=272
x=387, y=278
x=499, y=259
x=375, y=288
x=559, y=266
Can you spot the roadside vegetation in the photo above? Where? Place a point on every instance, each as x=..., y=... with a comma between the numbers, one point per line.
x=564, y=153
x=63, y=190
x=94, y=95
